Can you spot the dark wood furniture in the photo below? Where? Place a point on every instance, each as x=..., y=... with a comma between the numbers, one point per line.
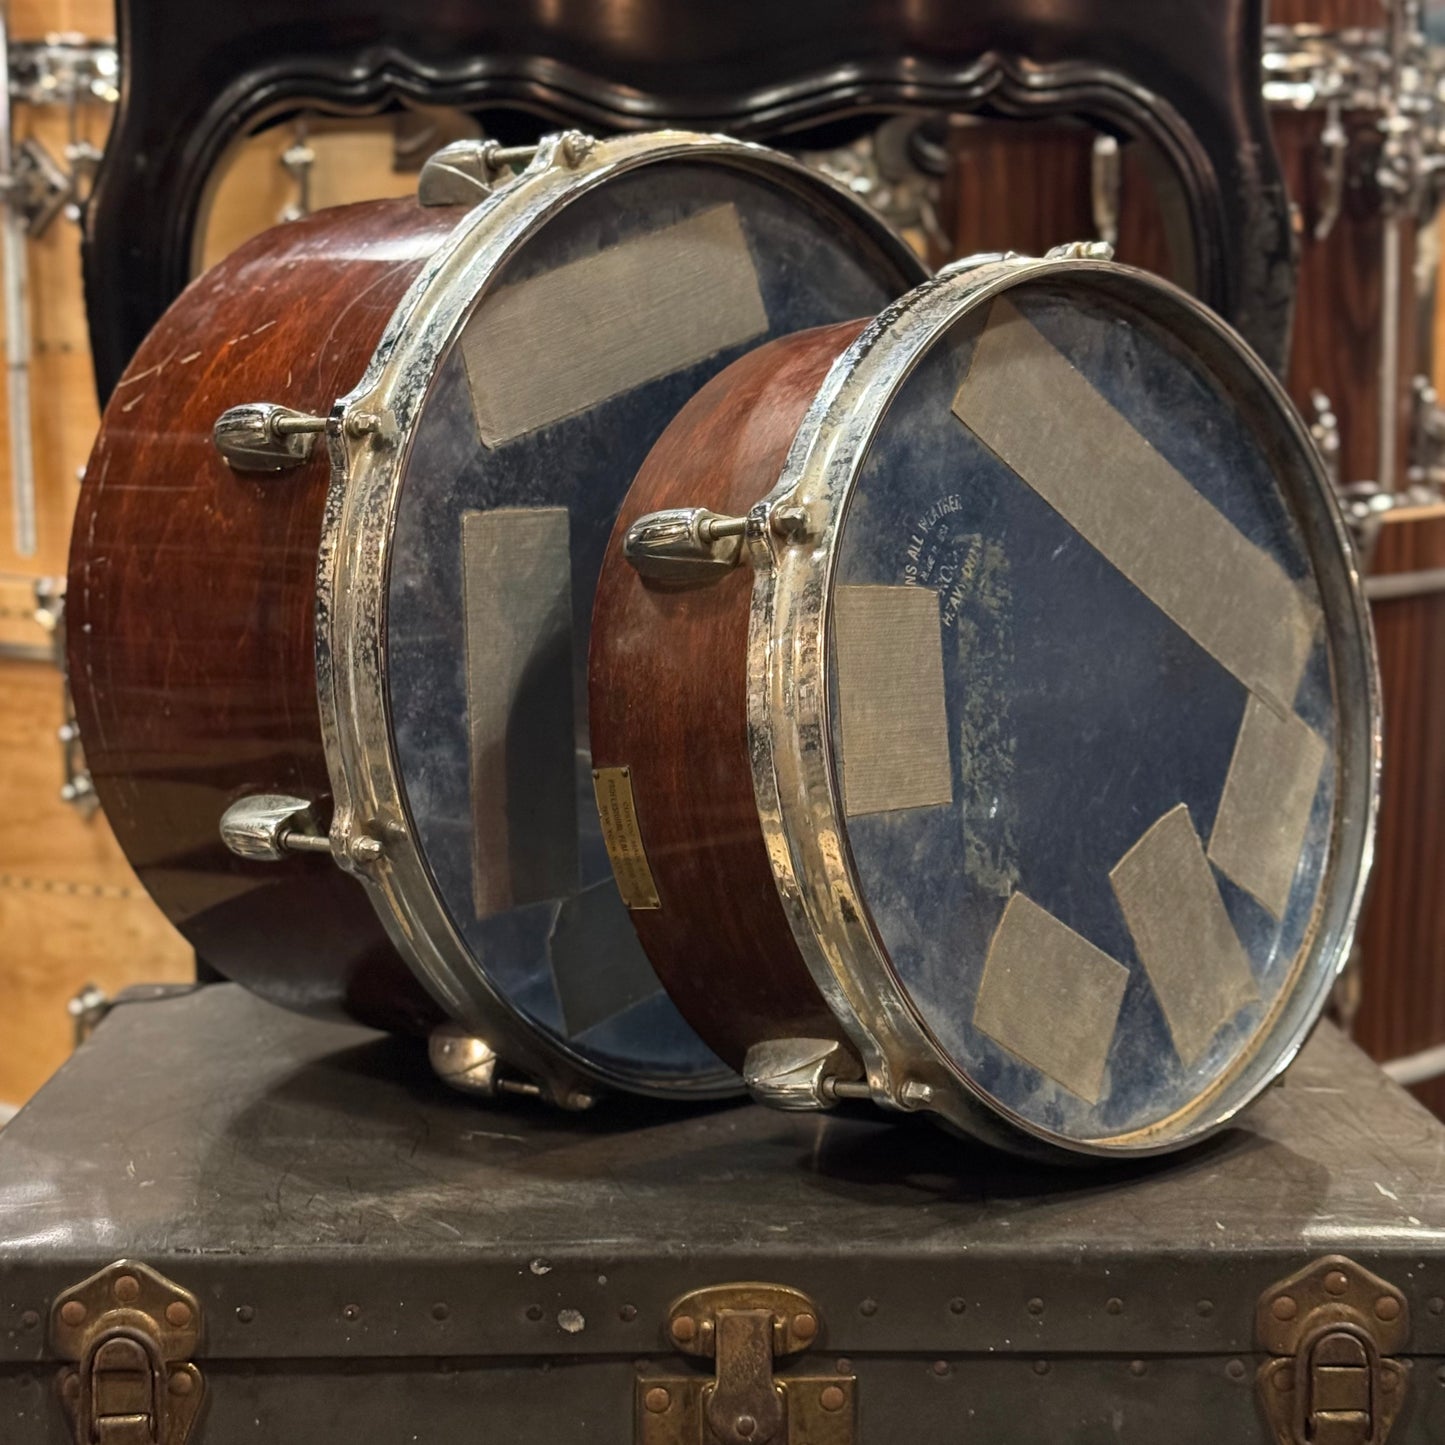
x=197, y=77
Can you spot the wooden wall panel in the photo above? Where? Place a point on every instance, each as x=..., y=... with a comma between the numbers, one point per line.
x=71, y=910
x=354, y=161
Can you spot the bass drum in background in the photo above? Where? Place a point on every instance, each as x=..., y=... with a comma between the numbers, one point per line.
x=1030, y=780
x=352, y=634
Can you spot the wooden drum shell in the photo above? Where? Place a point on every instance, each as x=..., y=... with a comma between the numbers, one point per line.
x=668, y=700
x=192, y=596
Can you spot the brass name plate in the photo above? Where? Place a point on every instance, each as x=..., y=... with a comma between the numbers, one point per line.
x=623, y=837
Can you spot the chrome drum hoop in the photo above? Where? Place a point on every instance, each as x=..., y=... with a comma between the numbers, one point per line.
x=799, y=795
x=368, y=435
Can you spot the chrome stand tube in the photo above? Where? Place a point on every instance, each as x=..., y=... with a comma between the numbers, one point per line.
x=13, y=261
x=1390, y=301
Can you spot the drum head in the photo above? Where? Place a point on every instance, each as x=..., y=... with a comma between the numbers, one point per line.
x=612, y=300
x=1098, y=721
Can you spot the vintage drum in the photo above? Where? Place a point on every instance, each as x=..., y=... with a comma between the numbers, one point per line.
x=984, y=712
x=329, y=655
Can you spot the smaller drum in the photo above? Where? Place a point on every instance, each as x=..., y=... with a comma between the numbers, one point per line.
x=984, y=712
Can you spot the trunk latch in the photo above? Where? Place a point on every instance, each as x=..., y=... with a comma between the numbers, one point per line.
x=130, y=1334
x=745, y=1329
x=1332, y=1328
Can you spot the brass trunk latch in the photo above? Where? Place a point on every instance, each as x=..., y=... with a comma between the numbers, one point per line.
x=745, y=1329
x=130, y=1333
x=1332, y=1327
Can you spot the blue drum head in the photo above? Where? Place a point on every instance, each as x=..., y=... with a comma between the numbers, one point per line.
x=604, y=318
x=1084, y=712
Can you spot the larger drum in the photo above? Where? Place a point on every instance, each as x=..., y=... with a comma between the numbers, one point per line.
x=984, y=712
x=329, y=655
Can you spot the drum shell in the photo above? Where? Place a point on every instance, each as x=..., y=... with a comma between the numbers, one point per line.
x=668, y=700
x=192, y=594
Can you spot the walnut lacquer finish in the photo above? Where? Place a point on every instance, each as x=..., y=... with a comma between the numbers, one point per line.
x=192, y=598
x=668, y=699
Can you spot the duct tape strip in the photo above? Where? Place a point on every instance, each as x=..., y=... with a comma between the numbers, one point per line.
x=1269, y=792
x=1182, y=932
x=565, y=341
x=1041, y=417
x=892, y=715
x=517, y=583
x=1049, y=996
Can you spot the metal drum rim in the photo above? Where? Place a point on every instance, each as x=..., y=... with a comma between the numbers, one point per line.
x=799, y=798
x=368, y=458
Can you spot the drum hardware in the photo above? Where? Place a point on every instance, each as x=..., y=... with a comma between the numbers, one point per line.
x=1391, y=75
x=87, y=1011
x=895, y=170
x=1334, y=148
x=263, y=437
x=1366, y=505
x=691, y=544
x=462, y=173
x=1106, y=188
x=1398, y=178
x=798, y=1075
x=1384, y=587
x=266, y=826
x=14, y=262
x=298, y=160
x=471, y=1065
x=1418, y=1068
x=1427, y=451
x=76, y=788
x=34, y=189
x=1069, y=251
x=1325, y=430
x=64, y=69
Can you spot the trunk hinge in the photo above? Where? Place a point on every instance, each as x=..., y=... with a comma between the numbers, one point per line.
x=130, y=1333
x=1332, y=1327
x=746, y=1329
